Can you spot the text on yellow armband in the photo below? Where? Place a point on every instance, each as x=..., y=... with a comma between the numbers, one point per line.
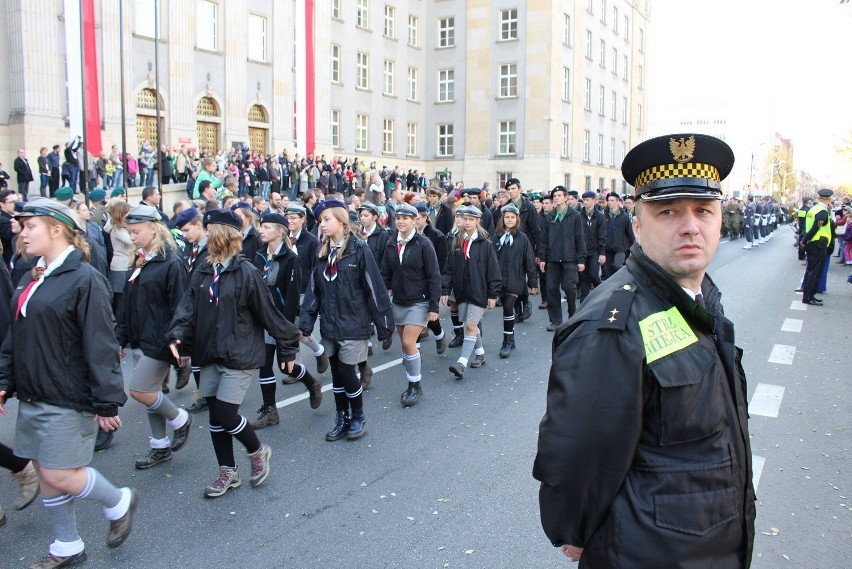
x=664, y=333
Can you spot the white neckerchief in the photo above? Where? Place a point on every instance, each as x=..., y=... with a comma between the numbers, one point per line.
x=506, y=239
x=404, y=241
x=57, y=262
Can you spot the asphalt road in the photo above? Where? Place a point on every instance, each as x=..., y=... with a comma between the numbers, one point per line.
x=448, y=482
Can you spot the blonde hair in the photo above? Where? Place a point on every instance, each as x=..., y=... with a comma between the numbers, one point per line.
x=162, y=242
x=74, y=237
x=285, y=235
x=223, y=243
x=481, y=234
x=342, y=216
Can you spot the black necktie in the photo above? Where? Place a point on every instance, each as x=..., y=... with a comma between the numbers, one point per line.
x=699, y=300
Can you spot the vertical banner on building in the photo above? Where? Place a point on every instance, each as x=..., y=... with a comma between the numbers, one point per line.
x=81, y=68
x=304, y=92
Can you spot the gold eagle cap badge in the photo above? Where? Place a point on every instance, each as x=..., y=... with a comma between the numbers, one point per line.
x=682, y=150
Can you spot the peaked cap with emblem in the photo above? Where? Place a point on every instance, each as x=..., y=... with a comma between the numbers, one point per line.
x=678, y=166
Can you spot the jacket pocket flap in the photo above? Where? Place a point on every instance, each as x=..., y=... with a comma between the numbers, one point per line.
x=682, y=368
x=696, y=513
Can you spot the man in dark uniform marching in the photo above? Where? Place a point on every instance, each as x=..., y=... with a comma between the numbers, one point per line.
x=643, y=454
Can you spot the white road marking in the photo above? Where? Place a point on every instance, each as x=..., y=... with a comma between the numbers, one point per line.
x=782, y=354
x=766, y=400
x=798, y=305
x=791, y=325
x=305, y=395
x=756, y=469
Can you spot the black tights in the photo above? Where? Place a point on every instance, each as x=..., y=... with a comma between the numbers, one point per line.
x=267, y=376
x=9, y=461
x=226, y=423
x=509, y=313
x=345, y=385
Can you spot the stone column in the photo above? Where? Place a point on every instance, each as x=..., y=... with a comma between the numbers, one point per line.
x=233, y=18
x=180, y=61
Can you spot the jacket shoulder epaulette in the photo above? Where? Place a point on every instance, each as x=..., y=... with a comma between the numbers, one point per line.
x=617, y=308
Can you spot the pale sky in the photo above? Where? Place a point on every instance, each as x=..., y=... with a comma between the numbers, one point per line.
x=779, y=65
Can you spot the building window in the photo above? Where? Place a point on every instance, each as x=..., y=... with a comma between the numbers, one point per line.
x=566, y=141
x=566, y=29
x=411, y=145
x=590, y=6
x=446, y=86
x=615, y=61
x=600, y=149
x=508, y=25
x=615, y=19
x=639, y=117
x=387, y=136
x=626, y=28
x=601, y=100
x=624, y=110
x=143, y=18
x=390, y=16
x=412, y=30
x=588, y=44
x=566, y=84
x=362, y=129
x=612, y=185
x=206, y=31
x=588, y=183
x=566, y=179
x=445, y=140
x=388, y=83
x=640, y=79
x=626, y=69
x=601, y=184
x=509, y=80
x=588, y=95
x=502, y=178
x=508, y=137
x=335, y=63
x=362, y=14
x=612, y=154
x=623, y=150
x=335, y=128
x=603, y=11
x=412, y=84
x=603, y=54
x=446, y=32
x=587, y=141
x=363, y=70
x=335, y=9
x=613, y=113
x=641, y=39
x=257, y=38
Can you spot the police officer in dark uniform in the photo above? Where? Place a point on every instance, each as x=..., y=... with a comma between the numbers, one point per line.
x=801, y=214
x=749, y=221
x=643, y=454
x=819, y=234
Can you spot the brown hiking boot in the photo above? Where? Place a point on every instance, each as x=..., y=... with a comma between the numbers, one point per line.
x=315, y=391
x=119, y=530
x=28, y=481
x=53, y=561
x=260, y=465
x=266, y=416
x=228, y=478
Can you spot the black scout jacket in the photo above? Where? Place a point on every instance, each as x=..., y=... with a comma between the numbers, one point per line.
x=418, y=277
x=474, y=280
x=643, y=453
x=517, y=264
x=230, y=333
x=283, y=279
x=64, y=351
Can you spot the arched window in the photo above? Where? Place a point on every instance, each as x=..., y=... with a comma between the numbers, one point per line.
x=258, y=120
x=146, y=117
x=207, y=125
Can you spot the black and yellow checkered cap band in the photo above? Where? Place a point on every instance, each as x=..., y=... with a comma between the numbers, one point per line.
x=687, y=170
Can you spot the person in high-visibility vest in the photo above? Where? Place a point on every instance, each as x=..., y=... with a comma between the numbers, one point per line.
x=800, y=216
x=815, y=241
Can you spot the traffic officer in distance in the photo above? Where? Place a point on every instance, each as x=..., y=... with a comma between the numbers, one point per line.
x=643, y=454
x=816, y=239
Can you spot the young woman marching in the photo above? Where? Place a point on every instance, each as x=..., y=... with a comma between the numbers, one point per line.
x=61, y=360
x=377, y=237
x=410, y=270
x=517, y=266
x=347, y=291
x=472, y=275
x=279, y=266
x=458, y=325
x=251, y=241
x=153, y=291
x=194, y=255
x=305, y=244
x=439, y=241
x=220, y=323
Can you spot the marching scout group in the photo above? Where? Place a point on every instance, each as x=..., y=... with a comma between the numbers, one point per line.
x=240, y=292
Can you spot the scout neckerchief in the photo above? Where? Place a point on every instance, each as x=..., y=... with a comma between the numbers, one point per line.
x=267, y=262
x=141, y=260
x=40, y=272
x=330, y=272
x=506, y=239
x=468, y=239
x=401, y=242
x=214, y=284
x=559, y=215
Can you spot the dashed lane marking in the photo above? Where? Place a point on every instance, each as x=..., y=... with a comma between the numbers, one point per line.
x=766, y=400
x=757, y=463
x=782, y=354
x=798, y=305
x=302, y=396
x=791, y=325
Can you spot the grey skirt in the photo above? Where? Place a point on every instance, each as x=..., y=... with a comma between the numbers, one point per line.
x=416, y=314
x=54, y=436
x=117, y=280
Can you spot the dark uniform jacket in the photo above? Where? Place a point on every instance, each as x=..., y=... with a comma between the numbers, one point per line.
x=418, y=277
x=200, y=258
x=595, y=226
x=643, y=453
x=307, y=246
x=563, y=241
x=148, y=304
x=348, y=305
x=619, y=233
x=476, y=279
x=439, y=242
x=530, y=223
x=64, y=351
x=230, y=332
x=444, y=218
x=517, y=264
x=377, y=240
x=251, y=244
x=282, y=275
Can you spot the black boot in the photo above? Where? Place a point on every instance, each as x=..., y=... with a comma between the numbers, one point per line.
x=458, y=339
x=412, y=394
x=507, y=346
x=340, y=428
x=526, y=311
x=512, y=342
x=356, y=425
